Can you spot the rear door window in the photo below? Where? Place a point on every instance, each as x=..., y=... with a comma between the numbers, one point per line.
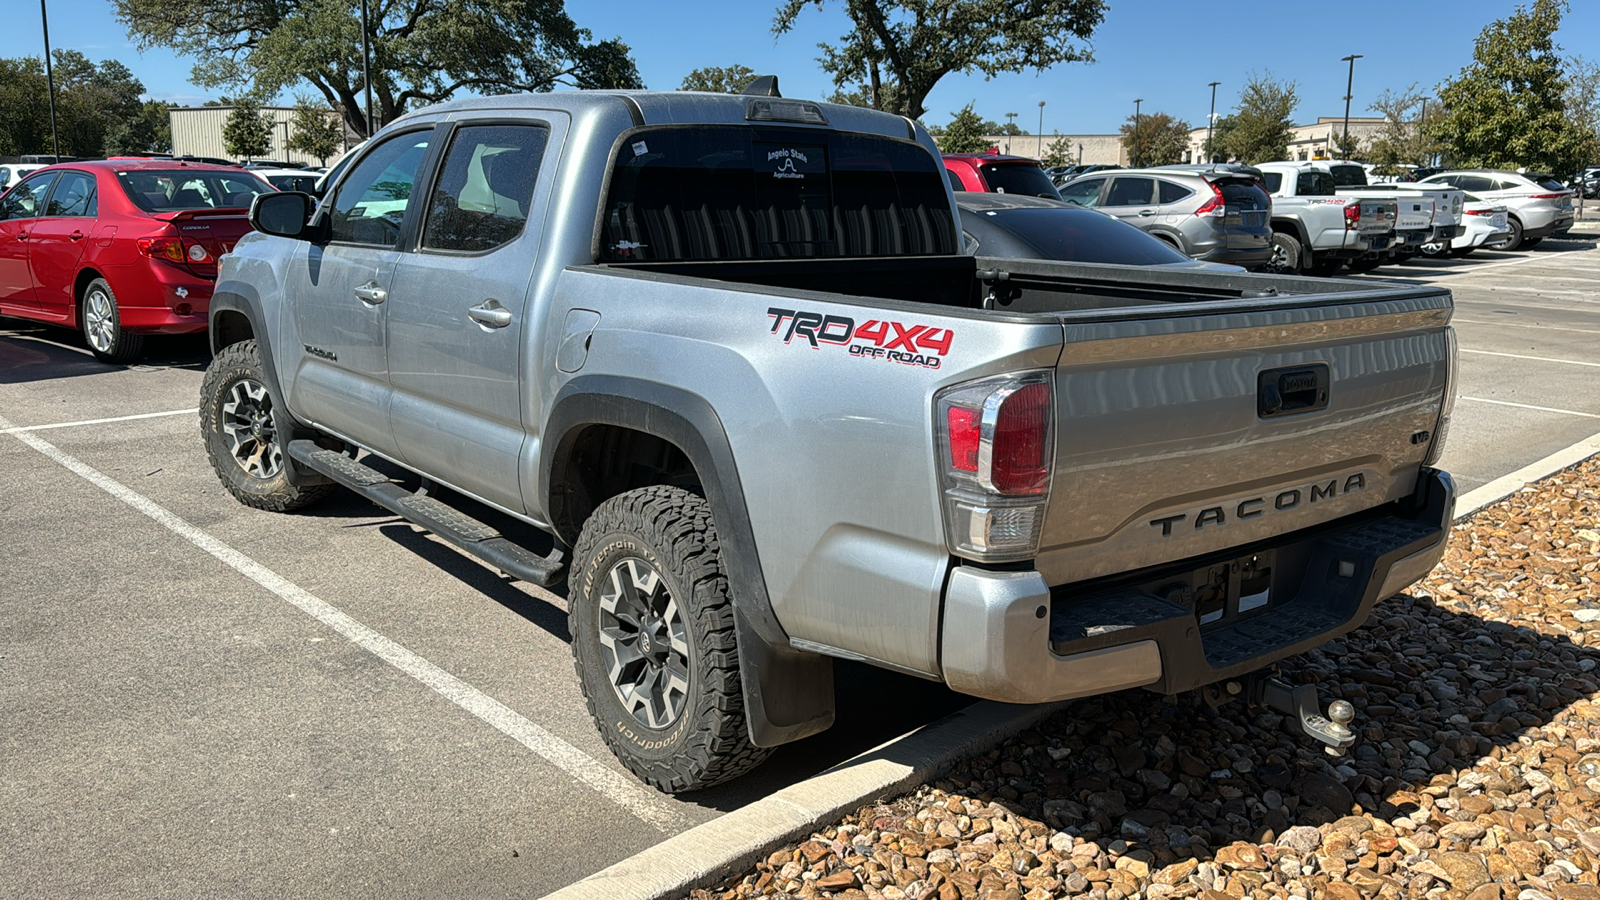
x=1017, y=178
x=482, y=196
x=736, y=192
x=1171, y=193
x=1083, y=193
x=73, y=196
x=1130, y=191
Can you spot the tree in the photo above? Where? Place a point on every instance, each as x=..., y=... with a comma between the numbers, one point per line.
x=423, y=51
x=912, y=44
x=965, y=133
x=1215, y=147
x=1403, y=138
x=719, y=79
x=1058, y=154
x=1507, y=109
x=97, y=106
x=315, y=130
x=1260, y=128
x=149, y=131
x=1161, y=139
x=1348, y=147
x=248, y=131
x=1583, y=100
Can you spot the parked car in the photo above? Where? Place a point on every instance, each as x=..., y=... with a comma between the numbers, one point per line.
x=1486, y=223
x=1587, y=182
x=996, y=173
x=120, y=248
x=722, y=361
x=1011, y=225
x=11, y=173
x=1317, y=229
x=1537, y=206
x=304, y=180
x=1425, y=212
x=1214, y=213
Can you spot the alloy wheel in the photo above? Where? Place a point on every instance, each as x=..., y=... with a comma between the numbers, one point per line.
x=644, y=643
x=99, y=320
x=247, y=426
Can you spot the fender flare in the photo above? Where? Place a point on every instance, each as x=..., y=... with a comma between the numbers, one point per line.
x=239, y=297
x=788, y=693
x=1298, y=227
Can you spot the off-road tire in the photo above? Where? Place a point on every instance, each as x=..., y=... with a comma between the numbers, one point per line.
x=669, y=529
x=100, y=320
x=1288, y=256
x=234, y=366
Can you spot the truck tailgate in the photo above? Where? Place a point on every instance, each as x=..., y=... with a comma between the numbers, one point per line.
x=1182, y=435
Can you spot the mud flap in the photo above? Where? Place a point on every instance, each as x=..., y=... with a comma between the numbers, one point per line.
x=788, y=694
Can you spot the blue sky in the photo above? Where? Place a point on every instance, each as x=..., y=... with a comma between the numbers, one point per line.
x=1164, y=51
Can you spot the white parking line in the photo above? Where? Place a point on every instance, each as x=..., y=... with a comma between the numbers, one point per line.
x=1569, y=412
x=1570, y=362
x=616, y=788
x=156, y=415
x=1483, y=267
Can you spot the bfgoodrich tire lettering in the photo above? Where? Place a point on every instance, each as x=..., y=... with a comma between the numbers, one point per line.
x=239, y=424
x=679, y=726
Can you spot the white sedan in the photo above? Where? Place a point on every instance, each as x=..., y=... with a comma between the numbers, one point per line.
x=1482, y=222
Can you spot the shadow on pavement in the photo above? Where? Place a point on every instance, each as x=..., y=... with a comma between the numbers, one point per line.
x=30, y=352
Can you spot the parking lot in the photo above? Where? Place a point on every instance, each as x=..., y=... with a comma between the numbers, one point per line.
x=200, y=698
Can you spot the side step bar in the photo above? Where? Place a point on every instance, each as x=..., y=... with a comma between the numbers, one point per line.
x=467, y=533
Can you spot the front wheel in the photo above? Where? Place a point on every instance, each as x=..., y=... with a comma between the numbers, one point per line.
x=653, y=640
x=239, y=422
x=101, y=320
x=1287, y=254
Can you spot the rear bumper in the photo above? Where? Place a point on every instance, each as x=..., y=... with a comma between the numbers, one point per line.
x=1554, y=226
x=1007, y=636
x=165, y=300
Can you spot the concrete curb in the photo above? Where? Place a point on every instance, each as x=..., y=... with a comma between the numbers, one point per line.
x=1506, y=485
x=710, y=852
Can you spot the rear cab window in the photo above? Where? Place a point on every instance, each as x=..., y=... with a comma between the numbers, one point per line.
x=1018, y=178
x=1348, y=175
x=738, y=193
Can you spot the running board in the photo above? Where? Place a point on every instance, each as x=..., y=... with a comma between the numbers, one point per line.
x=465, y=532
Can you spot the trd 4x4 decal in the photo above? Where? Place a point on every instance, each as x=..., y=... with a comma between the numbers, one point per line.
x=911, y=345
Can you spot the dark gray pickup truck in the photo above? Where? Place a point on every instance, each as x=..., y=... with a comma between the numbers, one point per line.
x=716, y=364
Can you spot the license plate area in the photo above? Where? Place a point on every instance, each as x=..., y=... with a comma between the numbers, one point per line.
x=1225, y=592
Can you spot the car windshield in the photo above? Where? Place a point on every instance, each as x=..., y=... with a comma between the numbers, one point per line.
x=1014, y=178
x=727, y=192
x=160, y=190
x=1079, y=235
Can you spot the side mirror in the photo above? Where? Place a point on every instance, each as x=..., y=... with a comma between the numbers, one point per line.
x=284, y=214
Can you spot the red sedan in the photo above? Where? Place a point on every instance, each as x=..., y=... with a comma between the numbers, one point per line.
x=120, y=248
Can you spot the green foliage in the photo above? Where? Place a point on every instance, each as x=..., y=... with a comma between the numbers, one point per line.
x=149, y=131
x=423, y=51
x=1404, y=138
x=1260, y=127
x=1508, y=108
x=98, y=110
x=912, y=44
x=1059, y=153
x=965, y=133
x=719, y=79
x=862, y=95
x=1215, y=147
x=1161, y=141
x=315, y=130
x=1348, y=147
x=1583, y=102
x=248, y=131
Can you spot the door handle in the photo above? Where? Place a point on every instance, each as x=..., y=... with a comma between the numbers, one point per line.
x=22, y=235
x=490, y=314
x=371, y=293
x=1147, y=212
x=75, y=236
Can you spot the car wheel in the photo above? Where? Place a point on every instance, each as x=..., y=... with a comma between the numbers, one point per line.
x=1436, y=249
x=241, y=427
x=1512, y=242
x=1287, y=254
x=102, y=326
x=1366, y=265
x=653, y=640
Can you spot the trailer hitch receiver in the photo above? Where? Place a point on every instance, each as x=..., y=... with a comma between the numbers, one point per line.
x=1299, y=702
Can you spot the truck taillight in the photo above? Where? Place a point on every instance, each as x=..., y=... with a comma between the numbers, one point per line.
x=996, y=444
x=1447, y=406
x=1352, y=216
x=1214, y=208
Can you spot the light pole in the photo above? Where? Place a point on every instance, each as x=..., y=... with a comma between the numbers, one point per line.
x=1041, y=129
x=1211, y=124
x=50, y=79
x=285, y=125
x=1135, y=159
x=1344, y=142
x=366, y=66
x=1422, y=140
x=1011, y=121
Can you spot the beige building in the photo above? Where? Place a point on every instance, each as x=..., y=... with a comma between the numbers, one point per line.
x=197, y=131
x=1101, y=149
x=1318, y=140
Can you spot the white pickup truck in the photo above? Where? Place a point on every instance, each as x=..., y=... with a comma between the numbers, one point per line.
x=1316, y=227
x=1444, y=218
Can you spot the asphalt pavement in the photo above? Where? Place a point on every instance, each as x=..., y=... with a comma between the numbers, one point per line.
x=197, y=698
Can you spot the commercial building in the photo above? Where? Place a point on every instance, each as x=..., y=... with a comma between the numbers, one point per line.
x=197, y=131
x=1315, y=140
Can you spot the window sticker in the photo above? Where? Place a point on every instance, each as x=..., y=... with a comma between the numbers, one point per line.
x=790, y=162
x=640, y=148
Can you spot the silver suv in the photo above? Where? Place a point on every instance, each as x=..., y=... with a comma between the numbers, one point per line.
x=1539, y=206
x=1213, y=213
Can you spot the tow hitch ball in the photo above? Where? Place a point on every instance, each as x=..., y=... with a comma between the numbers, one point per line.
x=1299, y=703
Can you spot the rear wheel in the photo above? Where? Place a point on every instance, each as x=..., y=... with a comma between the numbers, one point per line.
x=1513, y=241
x=653, y=640
x=101, y=320
x=1287, y=254
x=1436, y=249
x=239, y=422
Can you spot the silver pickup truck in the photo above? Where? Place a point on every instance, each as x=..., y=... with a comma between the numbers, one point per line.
x=715, y=364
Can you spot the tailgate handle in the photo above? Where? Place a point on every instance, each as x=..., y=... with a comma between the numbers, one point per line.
x=1292, y=389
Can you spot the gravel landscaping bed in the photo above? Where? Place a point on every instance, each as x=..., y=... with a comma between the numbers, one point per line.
x=1477, y=774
